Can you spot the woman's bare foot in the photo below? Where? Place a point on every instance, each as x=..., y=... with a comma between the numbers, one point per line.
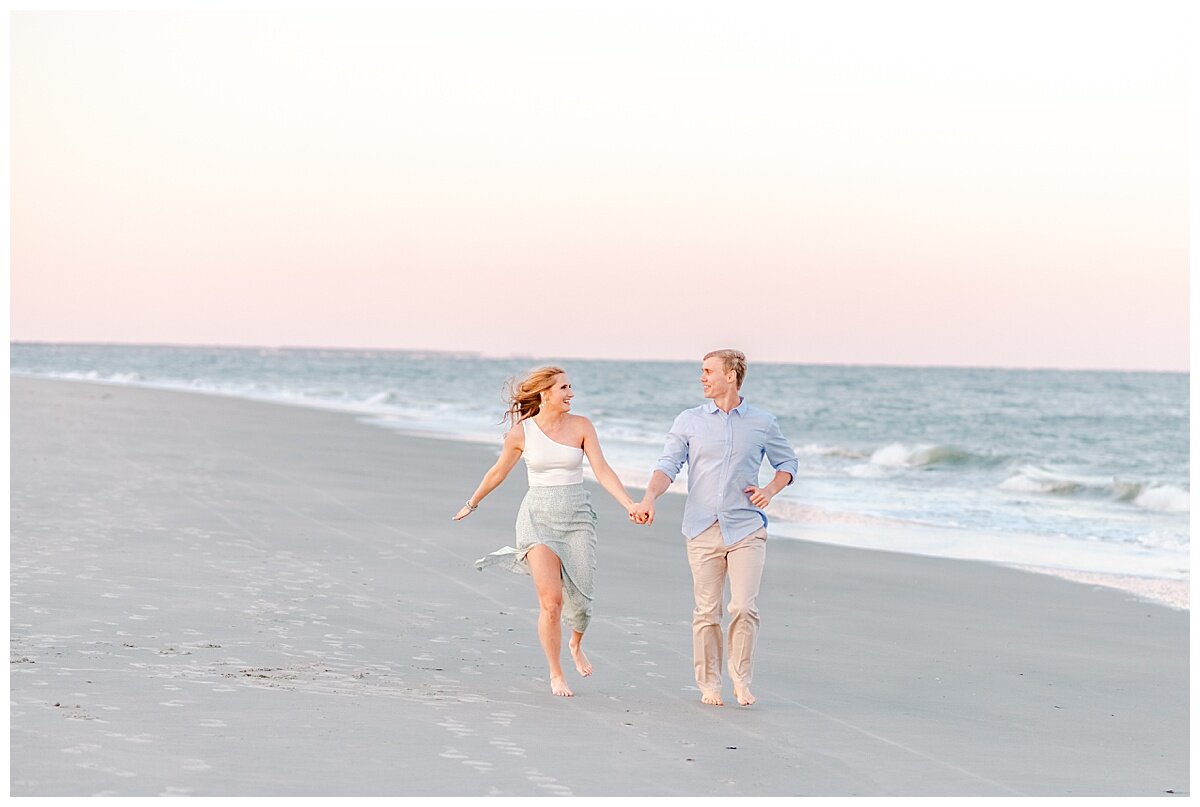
x=743, y=695
x=711, y=698
x=581, y=661
x=558, y=686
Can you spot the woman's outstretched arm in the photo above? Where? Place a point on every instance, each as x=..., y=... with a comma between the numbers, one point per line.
x=514, y=444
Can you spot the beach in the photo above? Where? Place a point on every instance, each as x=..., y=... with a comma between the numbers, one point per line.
x=213, y=596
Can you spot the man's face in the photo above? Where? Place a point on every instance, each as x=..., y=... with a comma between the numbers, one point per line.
x=715, y=379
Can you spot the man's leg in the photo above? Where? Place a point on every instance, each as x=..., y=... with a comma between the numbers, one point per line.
x=706, y=556
x=745, y=560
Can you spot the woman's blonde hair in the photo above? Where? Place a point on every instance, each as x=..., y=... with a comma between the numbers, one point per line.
x=524, y=397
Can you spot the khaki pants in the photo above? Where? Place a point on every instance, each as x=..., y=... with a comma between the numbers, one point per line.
x=710, y=560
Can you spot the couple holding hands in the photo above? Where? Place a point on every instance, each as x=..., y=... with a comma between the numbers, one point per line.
x=723, y=443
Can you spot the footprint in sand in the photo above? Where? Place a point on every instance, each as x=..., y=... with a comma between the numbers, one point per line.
x=547, y=782
x=115, y=772
x=508, y=747
x=502, y=718
x=82, y=748
x=454, y=727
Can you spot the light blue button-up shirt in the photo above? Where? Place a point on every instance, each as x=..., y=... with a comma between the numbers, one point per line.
x=724, y=452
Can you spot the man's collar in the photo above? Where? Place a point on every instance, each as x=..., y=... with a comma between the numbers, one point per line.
x=712, y=406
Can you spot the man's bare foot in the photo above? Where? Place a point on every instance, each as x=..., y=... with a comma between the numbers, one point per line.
x=711, y=698
x=581, y=661
x=558, y=686
x=743, y=695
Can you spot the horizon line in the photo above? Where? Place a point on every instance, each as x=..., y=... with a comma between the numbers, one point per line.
x=525, y=355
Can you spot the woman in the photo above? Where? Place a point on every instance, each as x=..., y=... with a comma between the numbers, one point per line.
x=556, y=525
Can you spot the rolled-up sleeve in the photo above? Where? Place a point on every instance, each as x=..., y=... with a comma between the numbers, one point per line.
x=779, y=451
x=675, y=451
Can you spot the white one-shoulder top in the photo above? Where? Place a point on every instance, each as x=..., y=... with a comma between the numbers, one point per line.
x=548, y=462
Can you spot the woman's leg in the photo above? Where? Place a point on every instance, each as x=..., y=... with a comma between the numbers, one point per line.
x=546, y=569
x=581, y=661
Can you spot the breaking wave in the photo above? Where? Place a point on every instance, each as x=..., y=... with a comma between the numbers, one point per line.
x=922, y=455
x=1146, y=495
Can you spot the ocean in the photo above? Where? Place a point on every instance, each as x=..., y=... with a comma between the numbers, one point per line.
x=1083, y=474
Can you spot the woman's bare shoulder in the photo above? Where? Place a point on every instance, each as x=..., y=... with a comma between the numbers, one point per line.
x=580, y=424
x=516, y=435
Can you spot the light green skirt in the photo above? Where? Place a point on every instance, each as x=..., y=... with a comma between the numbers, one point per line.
x=559, y=517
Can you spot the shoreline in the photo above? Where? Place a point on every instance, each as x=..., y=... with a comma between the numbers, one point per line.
x=842, y=529
x=212, y=597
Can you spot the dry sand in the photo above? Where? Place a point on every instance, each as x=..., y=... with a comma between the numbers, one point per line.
x=220, y=597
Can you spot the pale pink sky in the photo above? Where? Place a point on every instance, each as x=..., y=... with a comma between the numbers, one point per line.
x=870, y=183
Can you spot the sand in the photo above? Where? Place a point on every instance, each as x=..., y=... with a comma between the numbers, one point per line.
x=220, y=597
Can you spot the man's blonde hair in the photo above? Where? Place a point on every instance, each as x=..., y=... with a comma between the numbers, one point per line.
x=734, y=360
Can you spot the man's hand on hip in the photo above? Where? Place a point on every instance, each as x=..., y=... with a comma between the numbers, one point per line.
x=759, y=497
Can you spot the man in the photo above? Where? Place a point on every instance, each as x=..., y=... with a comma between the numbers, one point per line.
x=723, y=443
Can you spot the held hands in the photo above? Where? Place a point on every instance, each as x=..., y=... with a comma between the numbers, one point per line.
x=759, y=497
x=639, y=512
x=642, y=512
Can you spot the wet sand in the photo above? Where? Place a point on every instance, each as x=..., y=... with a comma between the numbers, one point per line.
x=220, y=597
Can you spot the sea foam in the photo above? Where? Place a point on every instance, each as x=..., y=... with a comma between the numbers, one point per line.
x=1146, y=495
x=898, y=455
x=1164, y=498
